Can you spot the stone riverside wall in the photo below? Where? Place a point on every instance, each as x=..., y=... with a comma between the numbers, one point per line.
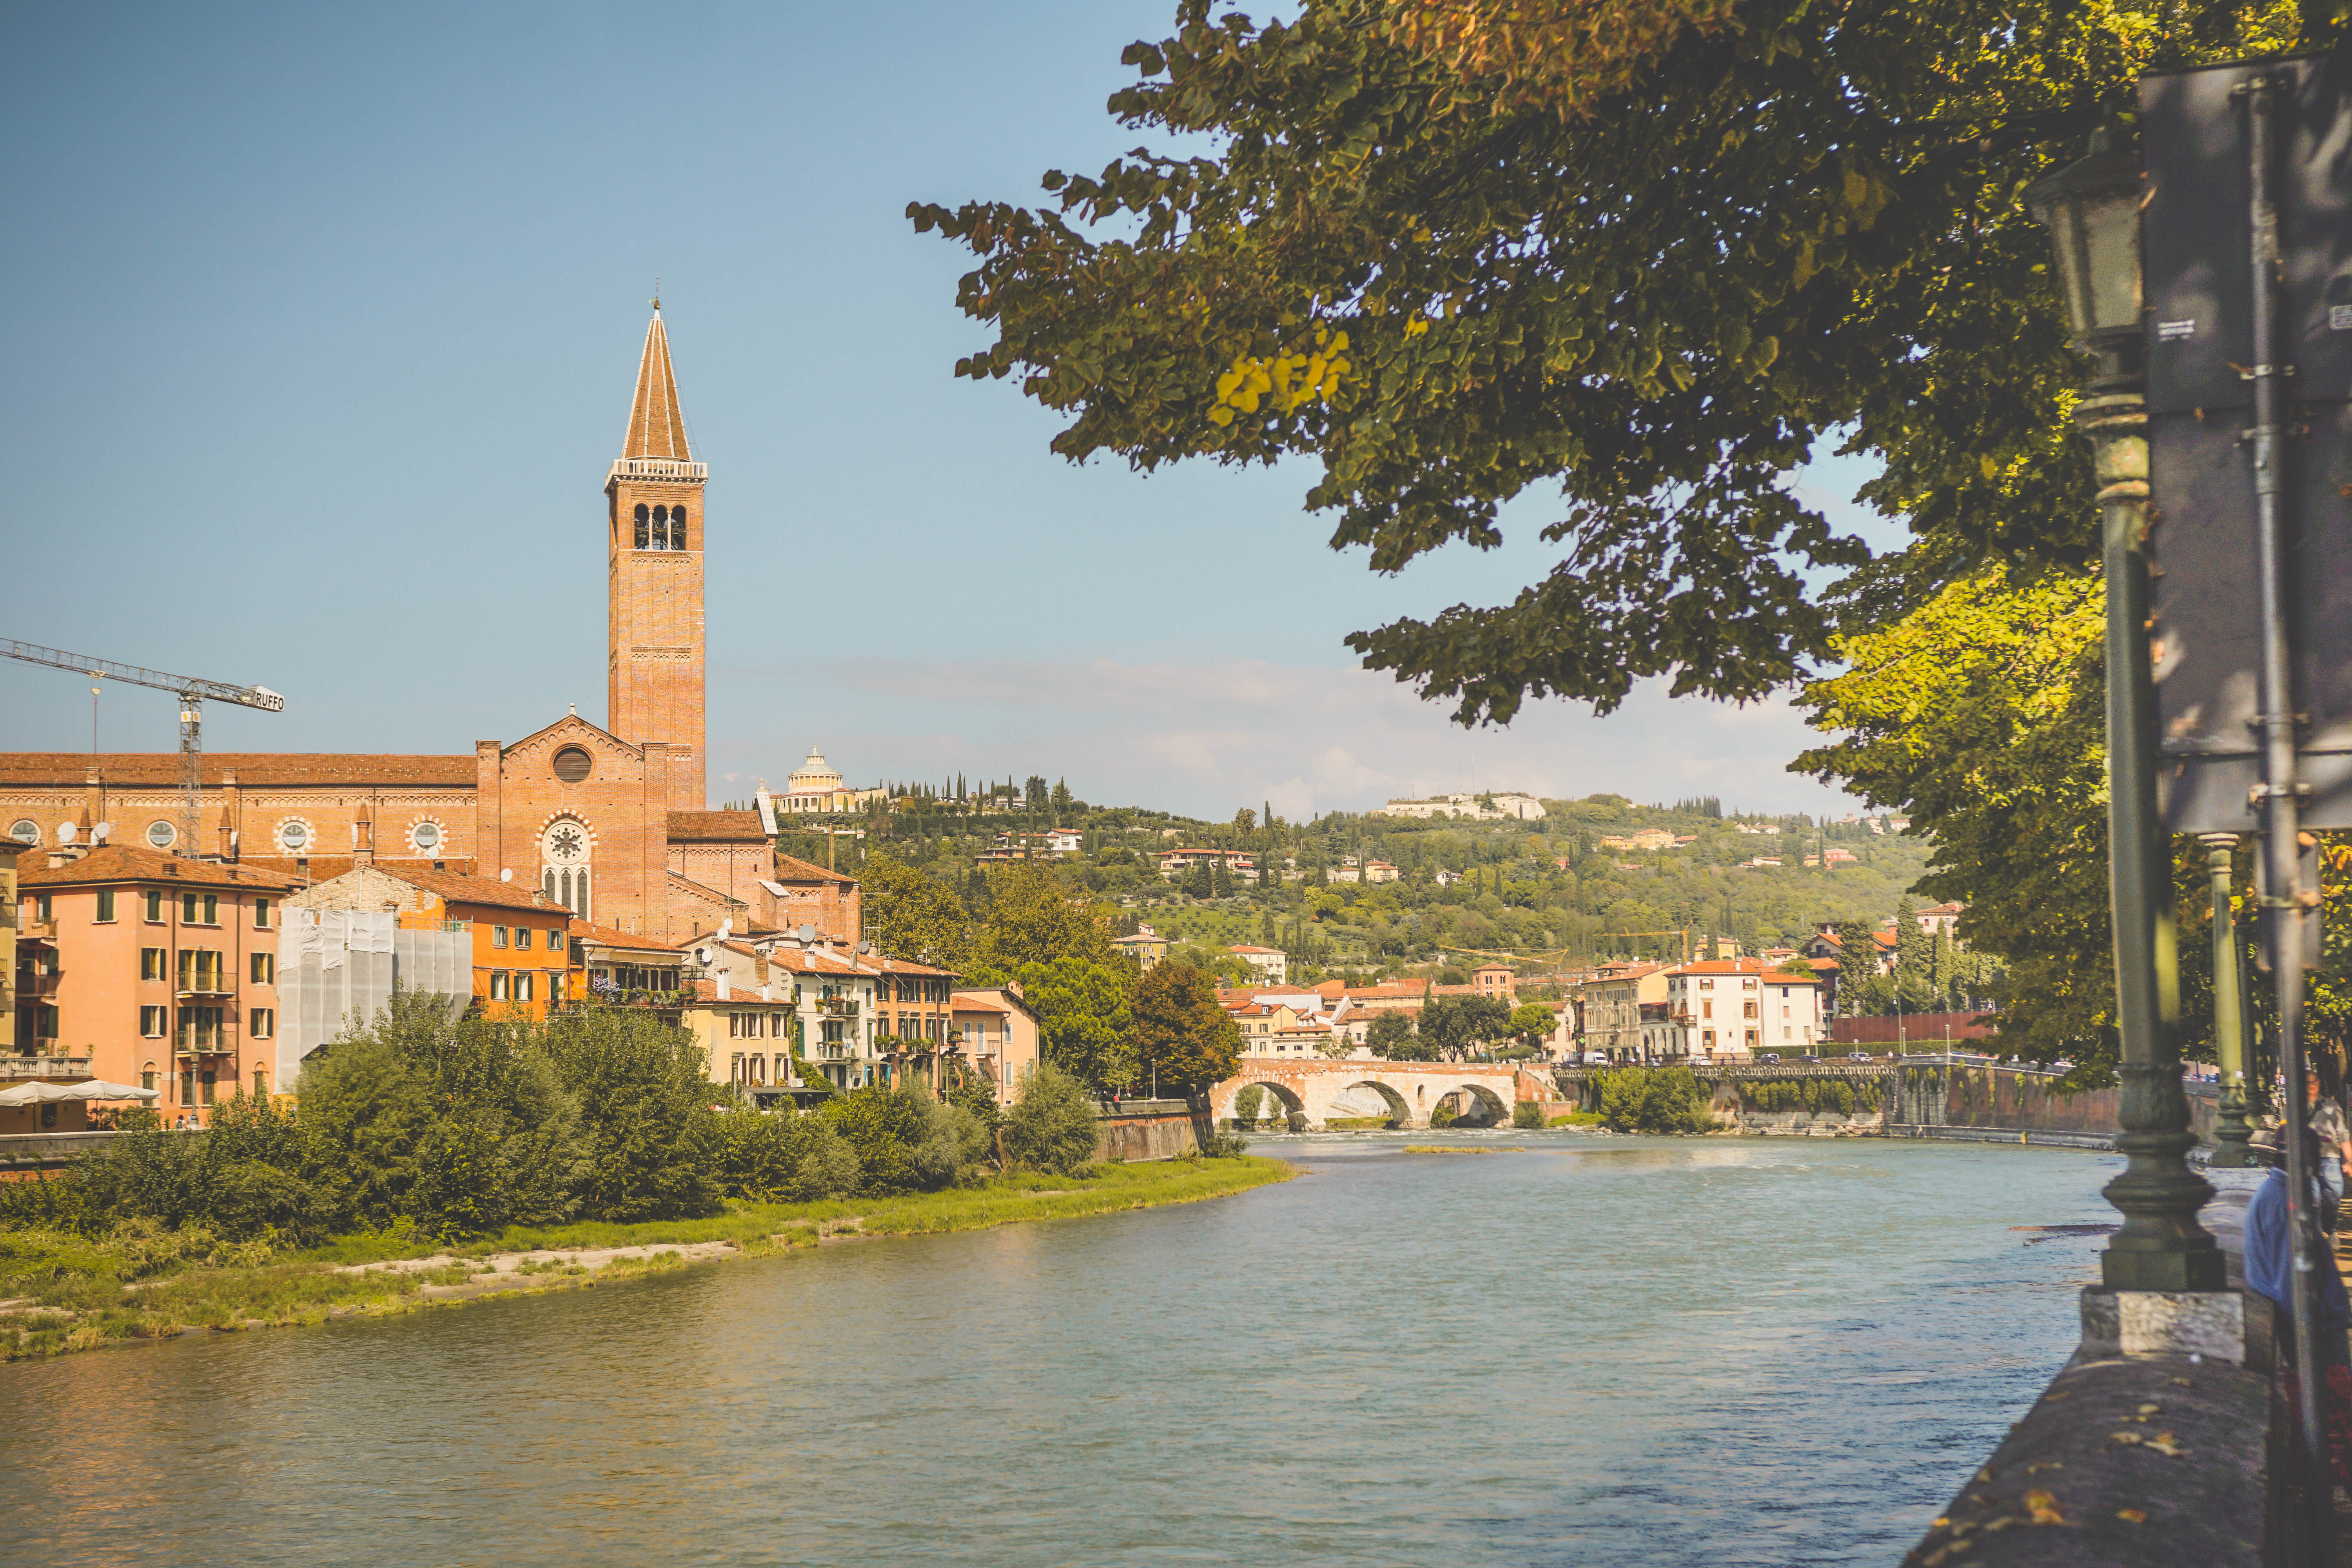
x=2194, y=1369
x=1144, y=1130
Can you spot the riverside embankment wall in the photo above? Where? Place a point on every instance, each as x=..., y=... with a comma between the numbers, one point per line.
x=1144, y=1130
x=1985, y=1102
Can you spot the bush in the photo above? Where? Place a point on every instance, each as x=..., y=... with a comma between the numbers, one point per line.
x=1653, y=1100
x=1052, y=1125
x=1526, y=1114
x=905, y=1141
x=783, y=1157
x=1248, y=1102
x=645, y=1109
x=1224, y=1146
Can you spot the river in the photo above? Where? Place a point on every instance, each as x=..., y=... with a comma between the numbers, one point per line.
x=1594, y=1352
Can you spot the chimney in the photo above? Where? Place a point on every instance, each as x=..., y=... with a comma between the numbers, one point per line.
x=226, y=832
x=726, y=991
x=364, y=836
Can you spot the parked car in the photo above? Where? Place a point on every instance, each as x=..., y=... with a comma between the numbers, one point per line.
x=1810, y=1058
x=1860, y=1057
x=1596, y=1059
x=1768, y=1055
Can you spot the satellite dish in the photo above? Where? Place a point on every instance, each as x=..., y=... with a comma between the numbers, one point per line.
x=99, y=833
x=702, y=955
x=725, y=929
x=808, y=934
x=65, y=832
x=506, y=875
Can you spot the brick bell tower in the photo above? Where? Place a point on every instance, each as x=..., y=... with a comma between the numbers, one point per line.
x=655, y=492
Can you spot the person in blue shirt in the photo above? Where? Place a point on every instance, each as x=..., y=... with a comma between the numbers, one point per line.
x=2270, y=1273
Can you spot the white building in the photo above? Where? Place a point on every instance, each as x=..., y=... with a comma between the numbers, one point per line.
x=1483, y=807
x=1737, y=1008
x=816, y=786
x=1270, y=961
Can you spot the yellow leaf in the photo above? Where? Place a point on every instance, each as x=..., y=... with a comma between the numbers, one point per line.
x=1417, y=326
x=2131, y=1516
x=1221, y=416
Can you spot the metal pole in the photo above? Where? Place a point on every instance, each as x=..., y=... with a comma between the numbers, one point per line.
x=2284, y=900
x=2160, y=1246
x=191, y=773
x=2230, y=1132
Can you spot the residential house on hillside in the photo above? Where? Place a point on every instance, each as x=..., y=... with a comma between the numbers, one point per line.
x=1147, y=947
x=1174, y=863
x=1482, y=807
x=1271, y=963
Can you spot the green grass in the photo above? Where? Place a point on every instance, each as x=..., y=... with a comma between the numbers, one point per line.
x=70, y=1293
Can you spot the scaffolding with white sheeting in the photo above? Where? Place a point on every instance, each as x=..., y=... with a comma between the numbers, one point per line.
x=338, y=968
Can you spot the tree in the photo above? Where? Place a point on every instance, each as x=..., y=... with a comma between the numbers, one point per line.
x=1052, y=1126
x=1984, y=715
x=1032, y=919
x=1456, y=1025
x=1064, y=802
x=1533, y=1023
x=1391, y=1037
x=1453, y=264
x=1084, y=1022
x=1184, y=1037
x=1915, y=959
x=910, y=914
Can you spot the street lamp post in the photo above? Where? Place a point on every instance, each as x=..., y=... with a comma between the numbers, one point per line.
x=2230, y=1131
x=2092, y=208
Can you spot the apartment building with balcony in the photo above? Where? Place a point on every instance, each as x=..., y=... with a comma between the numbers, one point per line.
x=144, y=968
x=1737, y=1008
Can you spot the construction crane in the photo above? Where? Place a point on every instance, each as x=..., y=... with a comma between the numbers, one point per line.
x=192, y=693
x=1683, y=932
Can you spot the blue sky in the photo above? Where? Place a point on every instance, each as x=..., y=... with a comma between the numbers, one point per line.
x=322, y=323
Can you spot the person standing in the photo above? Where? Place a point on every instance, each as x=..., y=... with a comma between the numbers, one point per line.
x=2327, y=1124
x=2270, y=1244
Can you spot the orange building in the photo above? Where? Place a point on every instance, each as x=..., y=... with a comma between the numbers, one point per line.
x=524, y=959
x=144, y=968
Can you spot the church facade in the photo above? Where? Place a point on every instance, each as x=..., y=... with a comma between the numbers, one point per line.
x=610, y=822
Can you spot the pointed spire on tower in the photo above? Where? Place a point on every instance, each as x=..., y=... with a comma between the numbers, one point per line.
x=656, y=426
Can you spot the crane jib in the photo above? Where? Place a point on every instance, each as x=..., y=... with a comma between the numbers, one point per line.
x=184, y=686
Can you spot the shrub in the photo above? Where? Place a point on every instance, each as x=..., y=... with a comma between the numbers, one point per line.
x=645, y=1109
x=1248, y=1102
x=905, y=1141
x=1526, y=1114
x=1052, y=1125
x=783, y=1157
x=1653, y=1100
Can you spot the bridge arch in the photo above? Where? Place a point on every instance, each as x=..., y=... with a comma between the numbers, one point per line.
x=1285, y=1101
x=1399, y=1109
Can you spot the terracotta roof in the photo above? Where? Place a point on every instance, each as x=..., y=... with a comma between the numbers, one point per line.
x=657, y=425
x=69, y=769
x=748, y=995
x=691, y=826
x=321, y=868
x=452, y=888
x=792, y=869
x=605, y=936
x=123, y=863
x=909, y=966
x=1722, y=966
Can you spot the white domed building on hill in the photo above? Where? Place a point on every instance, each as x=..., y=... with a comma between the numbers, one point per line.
x=816, y=788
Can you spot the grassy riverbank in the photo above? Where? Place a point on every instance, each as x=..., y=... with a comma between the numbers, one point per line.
x=62, y=1292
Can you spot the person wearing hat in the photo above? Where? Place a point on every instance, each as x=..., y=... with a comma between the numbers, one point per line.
x=2270, y=1245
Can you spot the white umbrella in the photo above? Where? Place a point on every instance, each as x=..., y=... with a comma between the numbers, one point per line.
x=89, y=1088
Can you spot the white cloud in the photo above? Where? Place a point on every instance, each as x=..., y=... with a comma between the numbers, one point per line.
x=1207, y=739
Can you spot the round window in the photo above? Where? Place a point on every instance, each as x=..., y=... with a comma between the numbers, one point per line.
x=161, y=833
x=294, y=836
x=571, y=765
x=425, y=836
x=25, y=830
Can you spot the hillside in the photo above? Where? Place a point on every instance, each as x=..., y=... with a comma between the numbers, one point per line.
x=1542, y=891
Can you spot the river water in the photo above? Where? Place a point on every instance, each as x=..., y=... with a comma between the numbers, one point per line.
x=1598, y=1350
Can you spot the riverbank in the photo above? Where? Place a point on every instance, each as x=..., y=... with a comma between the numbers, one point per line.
x=61, y=1293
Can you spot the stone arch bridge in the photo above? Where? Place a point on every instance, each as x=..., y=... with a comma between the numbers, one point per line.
x=1410, y=1090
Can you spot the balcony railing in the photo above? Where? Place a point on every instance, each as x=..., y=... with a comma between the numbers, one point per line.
x=44, y=1067
x=659, y=469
